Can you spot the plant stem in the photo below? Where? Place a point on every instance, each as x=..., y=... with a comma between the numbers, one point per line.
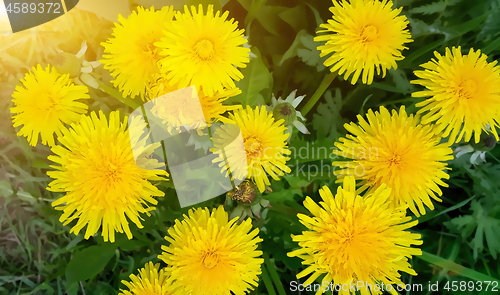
x=116, y=94
x=319, y=93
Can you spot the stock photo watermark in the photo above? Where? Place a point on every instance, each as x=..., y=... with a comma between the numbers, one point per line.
x=360, y=286
x=206, y=160
x=26, y=14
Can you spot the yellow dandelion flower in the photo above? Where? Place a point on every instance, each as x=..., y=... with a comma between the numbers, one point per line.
x=396, y=151
x=464, y=94
x=150, y=281
x=366, y=35
x=98, y=173
x=130, y=55
x=210, y=255
x=264, y=147
x=353, y=240
x=182, y=106
x=208, y=57
x=46, y=102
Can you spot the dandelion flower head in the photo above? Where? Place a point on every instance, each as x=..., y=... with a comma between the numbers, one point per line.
x=45, y=102
x=264, y=147
x=395, y=150
x=151, y=281
x=355, y=239
x=364, y=36
x=463, y=94
x=211, y=255
x=203, y=50
x=102, y=181
x=130, y=55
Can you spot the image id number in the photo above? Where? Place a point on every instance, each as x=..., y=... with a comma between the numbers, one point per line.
x=15, y=8
x=471, y=286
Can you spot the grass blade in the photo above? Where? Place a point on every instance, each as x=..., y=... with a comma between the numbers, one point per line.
x=267, y=282
x=455, y=267
x=274, y=274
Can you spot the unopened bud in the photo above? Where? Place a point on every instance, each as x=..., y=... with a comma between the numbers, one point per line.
x=286, y=112
x=67, y=63
x=486, y=142
x=490, y=142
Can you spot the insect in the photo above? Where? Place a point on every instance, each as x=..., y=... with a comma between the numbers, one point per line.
x=244, y=192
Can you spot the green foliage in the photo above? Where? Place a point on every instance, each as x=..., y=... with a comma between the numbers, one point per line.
x=460, y=236
x=89, y=262
x=435, y=7
x=484, y=226
x=310, y=54
x=328, y=121
x=257, y=80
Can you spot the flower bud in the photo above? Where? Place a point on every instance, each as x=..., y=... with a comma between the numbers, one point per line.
x=67, y=63
x=286, y=112
x=486, y=143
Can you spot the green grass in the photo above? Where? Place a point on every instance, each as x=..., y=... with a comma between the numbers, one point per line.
x=38, y=255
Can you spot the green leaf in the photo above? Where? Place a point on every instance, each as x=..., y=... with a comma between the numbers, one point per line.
x=5, y=188
x=401, y=81
x=385, y=87
x=25, y=196
x=317, y=16
x=408, y=61
x=292, y=51
x=486, y=226
x=295, y=17
x=362, y=109
x=132, y=245
x=468, y=26
x=328, y=121
x=265, y=15
x=310, y=55
x=492, y=46
x=434, y=214
x=40, y=164
x=89, y=262
x=430, y=8
x=454, y=267
x=274, y=274
x=253, y=10
x=267, y=282
x=490, y=28
x=421, y=28
x=256, y=79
